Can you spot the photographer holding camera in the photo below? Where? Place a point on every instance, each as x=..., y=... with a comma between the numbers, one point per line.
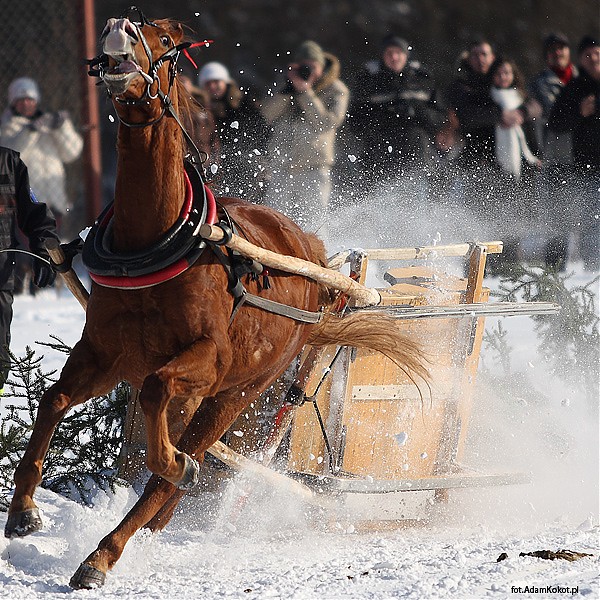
x=303, y=118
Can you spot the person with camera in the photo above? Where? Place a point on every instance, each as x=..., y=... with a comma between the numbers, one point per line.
x=45, y=140
x=304, y=117
x=19, y=212
x=577, y=109
x=395, y=114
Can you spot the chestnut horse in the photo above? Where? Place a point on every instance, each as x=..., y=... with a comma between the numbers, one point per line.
x=197, y=363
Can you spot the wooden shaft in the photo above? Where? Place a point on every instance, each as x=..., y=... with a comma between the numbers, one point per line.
x=70, y=277
x=238, y=462
x=363, y=296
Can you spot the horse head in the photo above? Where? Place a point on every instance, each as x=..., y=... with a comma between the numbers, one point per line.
x=141, y=56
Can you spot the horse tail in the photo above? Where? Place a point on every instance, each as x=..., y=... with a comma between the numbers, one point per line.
x=375, y=332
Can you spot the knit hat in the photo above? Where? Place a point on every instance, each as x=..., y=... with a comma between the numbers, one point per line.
x=555, y=39
x=213, y=71
x=586, y=42
x=310, y=50
x=396, y=41
x=23, y=87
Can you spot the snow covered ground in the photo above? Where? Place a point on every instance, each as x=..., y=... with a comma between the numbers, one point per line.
x=272, y=551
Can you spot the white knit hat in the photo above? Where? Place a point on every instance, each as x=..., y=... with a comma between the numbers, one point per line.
x=213, y=71
x=23, y=87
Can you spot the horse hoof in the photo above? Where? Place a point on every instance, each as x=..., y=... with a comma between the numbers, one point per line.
x=23, y=523
x=87, y=577
x=191, y=474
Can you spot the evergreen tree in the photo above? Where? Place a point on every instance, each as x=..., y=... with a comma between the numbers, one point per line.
x=86, y=443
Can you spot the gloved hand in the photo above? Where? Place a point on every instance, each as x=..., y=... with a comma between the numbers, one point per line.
x=58, y=118
x=49, y=121
x=43, y=274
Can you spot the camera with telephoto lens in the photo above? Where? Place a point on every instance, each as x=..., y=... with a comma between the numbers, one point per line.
x=304, y=72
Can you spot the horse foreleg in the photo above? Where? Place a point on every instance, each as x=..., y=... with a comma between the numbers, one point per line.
x=81, y=379
x=159, y=499
x=194, y=374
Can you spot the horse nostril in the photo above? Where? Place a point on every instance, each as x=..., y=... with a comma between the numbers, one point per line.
x=130, y=31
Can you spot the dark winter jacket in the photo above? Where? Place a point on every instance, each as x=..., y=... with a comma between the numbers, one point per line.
x=566, y=116
x=397, y=111
x=19, y=208
x=477, y=114
x=243, y=133
x=545, y=88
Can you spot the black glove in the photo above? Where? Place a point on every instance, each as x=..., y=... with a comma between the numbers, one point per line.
x=43, y=274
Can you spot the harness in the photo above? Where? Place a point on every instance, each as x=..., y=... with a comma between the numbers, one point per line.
x=173, y=254
x=182, y=245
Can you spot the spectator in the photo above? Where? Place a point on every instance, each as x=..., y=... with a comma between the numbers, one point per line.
x=396, y=113
x=555, y=148
x=577, y=109
x=480, y=185
x=547, y=85
x=516, y=205
x=477, y=114
x=45, y=140
x=304, y=117
x=203, y=128
x=511, y=146
x=242, y=132
x=19, y=209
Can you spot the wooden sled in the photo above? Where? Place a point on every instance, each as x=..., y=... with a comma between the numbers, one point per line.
x=384, y=447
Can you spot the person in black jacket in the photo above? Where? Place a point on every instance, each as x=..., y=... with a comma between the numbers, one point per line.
x=482, y=187
x=20, y=209
x=470, y=100
x=577, y=109
x=395, y=113
x=242, y=131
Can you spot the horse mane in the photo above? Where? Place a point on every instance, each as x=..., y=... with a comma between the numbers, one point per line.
x=187, y=106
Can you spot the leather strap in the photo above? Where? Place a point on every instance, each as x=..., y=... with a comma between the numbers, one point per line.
x=297, y=314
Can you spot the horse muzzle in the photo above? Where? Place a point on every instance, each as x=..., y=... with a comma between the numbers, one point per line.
x=119, y=40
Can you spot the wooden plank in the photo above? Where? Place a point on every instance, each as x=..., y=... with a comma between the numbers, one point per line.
x=385, y=392
x=425, y=252
x=417, y=253
x=476, y=270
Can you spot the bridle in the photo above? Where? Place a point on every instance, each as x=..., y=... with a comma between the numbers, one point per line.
x=98, y=66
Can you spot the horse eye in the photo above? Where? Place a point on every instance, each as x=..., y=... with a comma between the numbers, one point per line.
x=165, y=40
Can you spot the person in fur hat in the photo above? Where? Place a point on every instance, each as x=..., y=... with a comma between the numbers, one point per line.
x=241, y=129
x=304, y=115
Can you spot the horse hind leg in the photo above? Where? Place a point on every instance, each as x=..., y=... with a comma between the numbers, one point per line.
x=192, y=374
x=80, y=380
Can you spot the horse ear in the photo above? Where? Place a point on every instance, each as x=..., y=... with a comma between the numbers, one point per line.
x=176, y=31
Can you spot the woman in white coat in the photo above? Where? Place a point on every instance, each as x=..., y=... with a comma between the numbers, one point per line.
x=46, y=142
